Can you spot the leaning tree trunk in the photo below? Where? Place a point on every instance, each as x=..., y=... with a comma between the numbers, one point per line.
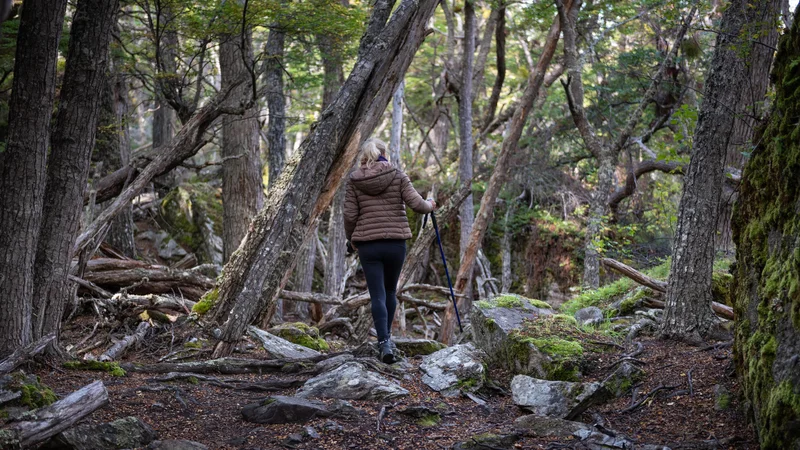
x=22, y=164
x=68, y=168
x=688, y=315
x=466, y=214
x=253, y=277
x=499, y=175
x=752, y=98
x=242, y=185
x=276, y=104
x=767, y=235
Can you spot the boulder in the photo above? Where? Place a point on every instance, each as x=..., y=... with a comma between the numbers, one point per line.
x=722, y=398
x=495, y=325
x=333, y=362
x=192, y=212
x=281, y=409
x=129, y=432
x=589, y=316
x=488, y=440
x=454, y=369
x=424, y=415
x=176, y=444
x=560, y=399
x=301, y=334
x=351, y=381
x=623, y=379
x=414, y=347
x=544, y=426
x=279, y=347
x=593, y=440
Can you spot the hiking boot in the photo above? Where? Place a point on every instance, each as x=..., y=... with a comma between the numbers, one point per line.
x=386, y=351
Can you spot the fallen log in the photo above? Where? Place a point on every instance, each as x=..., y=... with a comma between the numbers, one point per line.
x=153, y=301
x=88, y=285
x=232, y=383
x=230, y=366
x=723, y=311
x=120, y=347
x=44, y=423
x=310, y=297
x=20, y=355
x=152, y=274
x=103, y=264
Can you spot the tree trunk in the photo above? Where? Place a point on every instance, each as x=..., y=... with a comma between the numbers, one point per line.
x=276, y=103
x=252, y=278
x=500, y=58
x=304, y=275
x=22, y=165
x=498, y=178
x=752, y=99
x=397, y=126
x=113, y=150
x=466, y=214
x=688, y=314
x=68, y=168
x=242, y=185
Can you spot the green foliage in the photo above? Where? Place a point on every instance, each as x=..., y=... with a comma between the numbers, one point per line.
x=429, y=420
x=112, y=368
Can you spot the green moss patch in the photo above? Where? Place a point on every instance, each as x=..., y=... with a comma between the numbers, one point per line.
x=429, y=420
x=511, y=301
x=112, y=368
x=33, y=393
x=206, y=302
x=301, y=334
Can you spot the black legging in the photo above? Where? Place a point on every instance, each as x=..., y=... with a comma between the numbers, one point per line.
x=382, y=261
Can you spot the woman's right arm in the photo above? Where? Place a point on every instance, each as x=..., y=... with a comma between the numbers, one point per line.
x=350, y=210
x=412, y=198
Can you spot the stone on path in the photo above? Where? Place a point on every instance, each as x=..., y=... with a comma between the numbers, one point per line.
x=176, y=444
x=454, y=369
x=278, y=347
x=351, y=381
x=414, y=347
x=282, y=409
x=560, y=399
x=544, y=426
x=623, y=379
x=489, y=441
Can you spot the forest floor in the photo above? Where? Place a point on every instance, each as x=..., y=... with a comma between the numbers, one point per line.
x=212, y=415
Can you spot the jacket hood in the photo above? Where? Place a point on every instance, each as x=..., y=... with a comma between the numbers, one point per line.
x=374, y=179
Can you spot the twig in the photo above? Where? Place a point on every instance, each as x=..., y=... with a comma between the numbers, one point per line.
x=609, y=344
x=689, y=379
x=650, y=394
x=380, y=417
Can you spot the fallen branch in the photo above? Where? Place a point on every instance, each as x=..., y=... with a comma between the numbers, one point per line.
x=723, y=311
x=44, y=423
x=652, y=393
x=20, y=355
x=120, y=347
x=240, y=385
x=310, y=297
x=229, y=366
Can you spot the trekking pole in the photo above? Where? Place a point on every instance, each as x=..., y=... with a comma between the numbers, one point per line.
x=444, y=261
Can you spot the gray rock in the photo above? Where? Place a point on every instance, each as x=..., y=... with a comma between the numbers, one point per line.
x=281, y=409
x=176, y=444
x=167, y=247
x=543, y=426
x=129, y=432
x=331, y=363
x=454, y=369
x=593, y=440
x=351, y=381
x=623, y=379
x=279, y=347
x=311, y=432
x=414, y=347
x=589, y=316
x=488, y=440
x=493, y=329
x=332, y=425
x=560, y=399
x=722, y=398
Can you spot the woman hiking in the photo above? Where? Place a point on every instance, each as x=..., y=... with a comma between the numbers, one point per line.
x=375, y=223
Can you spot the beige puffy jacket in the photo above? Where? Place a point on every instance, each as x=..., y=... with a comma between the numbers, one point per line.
x=375, y=199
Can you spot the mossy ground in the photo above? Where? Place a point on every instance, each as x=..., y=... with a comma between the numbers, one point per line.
x=511, y=301
x=34, y=393
x=112, y=368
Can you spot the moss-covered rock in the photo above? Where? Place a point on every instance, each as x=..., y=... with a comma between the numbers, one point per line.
x=495, y=331
x=301, y=334
x=414, y=347
x=766, y=286
x=192, y=213
x=488, y=440
x=31, y=392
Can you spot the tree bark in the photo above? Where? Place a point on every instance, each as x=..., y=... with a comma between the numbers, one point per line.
x=688, y=314
x=22, y=165
x=466, y=214
x=498, y=178
x=68, y=169
x=242, y=185
x=304, y=276
x=276, y=104
x=252, y=278
x=500, y=59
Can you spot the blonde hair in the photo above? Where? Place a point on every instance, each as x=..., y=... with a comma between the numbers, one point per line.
x=371, y=150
